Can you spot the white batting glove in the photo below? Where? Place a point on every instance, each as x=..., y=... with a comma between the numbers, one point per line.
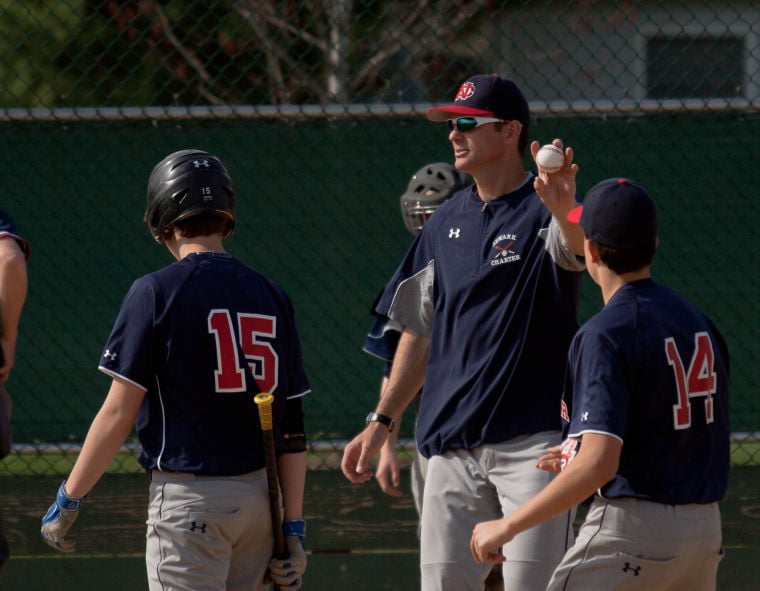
x=287, y=574
x=58, y=519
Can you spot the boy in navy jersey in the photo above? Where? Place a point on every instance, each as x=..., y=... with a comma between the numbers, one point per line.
x=191, y=346
x=648, y=433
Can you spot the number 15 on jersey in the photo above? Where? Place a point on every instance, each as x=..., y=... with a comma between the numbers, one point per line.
x=250, y=339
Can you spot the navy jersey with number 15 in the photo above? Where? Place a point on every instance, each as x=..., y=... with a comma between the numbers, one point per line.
x=652, y=370
x=202, y=336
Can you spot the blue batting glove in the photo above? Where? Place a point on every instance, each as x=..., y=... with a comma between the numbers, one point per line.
x=288, y=573
x=58, y=519
x=295, y=527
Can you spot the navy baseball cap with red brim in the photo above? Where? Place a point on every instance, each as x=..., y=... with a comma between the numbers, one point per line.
x=617, y=212
x=485, y=95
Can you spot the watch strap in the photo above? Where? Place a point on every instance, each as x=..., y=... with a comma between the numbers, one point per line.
x=375, y=417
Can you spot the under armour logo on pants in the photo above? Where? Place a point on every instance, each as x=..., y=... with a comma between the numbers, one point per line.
x=194, y=526
x=634, y=569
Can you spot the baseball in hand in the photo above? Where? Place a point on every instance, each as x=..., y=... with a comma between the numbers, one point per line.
x=550, y=158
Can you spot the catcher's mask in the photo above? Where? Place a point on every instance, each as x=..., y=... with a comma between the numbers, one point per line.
x=430, y=186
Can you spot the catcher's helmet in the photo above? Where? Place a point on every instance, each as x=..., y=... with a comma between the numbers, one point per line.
x=430, y=186
x=187, y=183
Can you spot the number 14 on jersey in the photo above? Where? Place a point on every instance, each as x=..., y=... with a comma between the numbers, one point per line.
x=699, y=380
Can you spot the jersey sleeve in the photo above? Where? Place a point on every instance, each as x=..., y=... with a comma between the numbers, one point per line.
x=558, y=248
x=600, y=390
x=383, y=335
x=124, y=354
x=408, y=297
x=382, y=338
x=298, y=383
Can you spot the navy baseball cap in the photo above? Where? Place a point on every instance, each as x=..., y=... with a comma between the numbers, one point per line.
x=485, y=95
x=617, y=212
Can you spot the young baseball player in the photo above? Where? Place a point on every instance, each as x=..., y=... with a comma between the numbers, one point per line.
x=191, y=346
x=648, y=433
x=488, y=295
x=14, y=254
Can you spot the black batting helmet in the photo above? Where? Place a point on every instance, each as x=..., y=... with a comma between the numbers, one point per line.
x=187, y=183
x=430, y=186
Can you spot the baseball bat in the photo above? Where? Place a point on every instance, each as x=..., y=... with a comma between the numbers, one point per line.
x=264, y=403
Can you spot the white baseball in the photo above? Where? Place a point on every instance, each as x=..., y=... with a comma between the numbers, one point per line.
x=550, y=158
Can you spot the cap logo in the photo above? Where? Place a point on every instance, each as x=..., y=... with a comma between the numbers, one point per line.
x=465, y=91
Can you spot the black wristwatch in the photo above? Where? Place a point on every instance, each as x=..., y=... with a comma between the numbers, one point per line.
x=374, y=417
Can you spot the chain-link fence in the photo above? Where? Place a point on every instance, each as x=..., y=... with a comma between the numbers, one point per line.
x=317, y=108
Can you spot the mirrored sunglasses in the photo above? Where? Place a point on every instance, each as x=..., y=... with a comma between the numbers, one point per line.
x=465, y=124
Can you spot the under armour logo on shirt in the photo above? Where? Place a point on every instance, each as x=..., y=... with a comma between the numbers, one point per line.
x=109, y=354
x=454, y=232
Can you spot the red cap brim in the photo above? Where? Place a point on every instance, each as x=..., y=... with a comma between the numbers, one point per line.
x=453, y=111
x=574, y=215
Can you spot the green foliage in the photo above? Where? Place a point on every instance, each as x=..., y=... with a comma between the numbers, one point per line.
x=99, y=53
x=33, y=33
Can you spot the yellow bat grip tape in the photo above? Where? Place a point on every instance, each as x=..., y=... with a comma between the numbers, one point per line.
x=264, y=402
